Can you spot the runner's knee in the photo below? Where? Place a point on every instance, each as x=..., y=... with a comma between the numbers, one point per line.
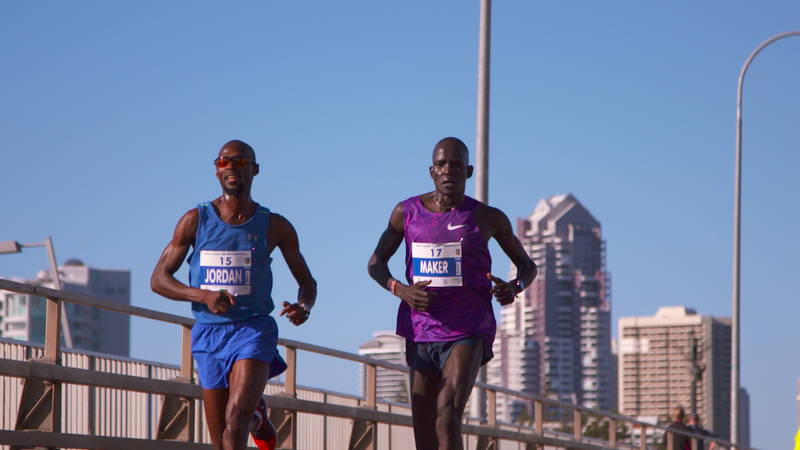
x=237, y=415
x=448, y=416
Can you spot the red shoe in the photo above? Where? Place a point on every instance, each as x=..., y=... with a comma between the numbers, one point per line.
x=264, y=435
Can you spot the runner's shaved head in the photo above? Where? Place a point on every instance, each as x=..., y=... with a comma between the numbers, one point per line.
x=452, y=143
x=242, y=146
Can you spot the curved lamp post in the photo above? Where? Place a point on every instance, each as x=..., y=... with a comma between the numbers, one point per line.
x=737, y=206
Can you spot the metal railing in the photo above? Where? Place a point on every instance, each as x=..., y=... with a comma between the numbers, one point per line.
x=180, y=423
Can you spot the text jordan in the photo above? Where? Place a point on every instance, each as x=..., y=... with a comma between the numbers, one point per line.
x=227, y=276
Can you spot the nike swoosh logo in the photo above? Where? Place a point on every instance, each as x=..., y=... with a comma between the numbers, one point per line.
x=452, y=227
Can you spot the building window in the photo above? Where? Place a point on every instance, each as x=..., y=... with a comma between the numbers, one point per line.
x=16, y=305
x=15, y=326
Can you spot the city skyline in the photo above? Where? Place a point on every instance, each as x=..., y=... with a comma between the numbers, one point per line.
x=112, y=114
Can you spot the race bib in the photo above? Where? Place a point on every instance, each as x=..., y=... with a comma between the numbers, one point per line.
x=229, y=270
x=439, y=263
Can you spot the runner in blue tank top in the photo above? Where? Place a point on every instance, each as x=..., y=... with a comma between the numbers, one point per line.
x=446, y=313
x=234, y=339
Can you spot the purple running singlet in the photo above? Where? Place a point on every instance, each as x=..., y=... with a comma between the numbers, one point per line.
x=449, y=250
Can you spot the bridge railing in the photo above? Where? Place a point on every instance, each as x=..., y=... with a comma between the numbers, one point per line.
x=38, y=421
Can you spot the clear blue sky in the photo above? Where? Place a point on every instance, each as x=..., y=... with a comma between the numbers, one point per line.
x=111, y=112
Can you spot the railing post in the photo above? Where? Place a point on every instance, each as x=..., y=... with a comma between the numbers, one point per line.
x=491, y=399
x=643, y=439
x=364, y=433
x=91, y=399
x=612, y=432
x=325, y=423
x=290, y=385
x=187, y=372
x=285, y=420
x=486, y=442
x=577, y=426
x=177, y=418
x=52, y=348
x=389, y=426
x=538, y=413
x=40, y=401
x=371, y=384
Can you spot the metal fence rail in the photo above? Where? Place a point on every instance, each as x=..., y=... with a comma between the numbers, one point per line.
x=85, y=400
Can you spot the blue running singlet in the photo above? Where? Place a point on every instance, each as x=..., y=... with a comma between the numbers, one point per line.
x=233, y=258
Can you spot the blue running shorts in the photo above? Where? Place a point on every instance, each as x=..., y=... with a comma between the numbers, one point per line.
x=217, y=346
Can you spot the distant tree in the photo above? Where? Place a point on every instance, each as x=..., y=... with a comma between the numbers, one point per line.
x=402, y=396
x=524, y=418
x=598, y=428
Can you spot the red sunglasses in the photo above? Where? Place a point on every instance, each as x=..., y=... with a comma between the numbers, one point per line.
x=236, y=161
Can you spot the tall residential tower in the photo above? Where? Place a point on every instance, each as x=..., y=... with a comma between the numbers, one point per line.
x=555, y=339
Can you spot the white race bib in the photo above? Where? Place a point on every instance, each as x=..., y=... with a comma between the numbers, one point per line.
x=439, y=263
x=229, y=270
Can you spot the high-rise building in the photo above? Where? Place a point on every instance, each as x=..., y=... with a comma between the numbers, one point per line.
x=23, y=315
x=678, y=358
x=744, y=417
x=391, y=385
x=555, y=339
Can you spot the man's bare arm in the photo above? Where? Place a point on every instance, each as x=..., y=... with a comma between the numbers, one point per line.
x=163, y=281
x=283, y=235
x=378, y=266
x=526, y=268
x=389, y=242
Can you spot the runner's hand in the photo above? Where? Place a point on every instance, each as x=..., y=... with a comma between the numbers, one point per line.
x=502, y=291
x=295, y=313
x=415, y=296
x=219, y=302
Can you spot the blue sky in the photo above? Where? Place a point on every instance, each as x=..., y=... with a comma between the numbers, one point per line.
x=111, y=113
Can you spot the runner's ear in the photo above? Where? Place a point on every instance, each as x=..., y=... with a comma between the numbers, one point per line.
x=469, y=171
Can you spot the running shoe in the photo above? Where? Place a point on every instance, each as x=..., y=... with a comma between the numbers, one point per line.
x=264, y=433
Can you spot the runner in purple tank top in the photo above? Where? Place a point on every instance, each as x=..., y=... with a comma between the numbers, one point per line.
x=446, y=312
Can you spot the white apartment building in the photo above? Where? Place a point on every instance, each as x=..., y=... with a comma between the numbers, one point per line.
x=22, y=315
x=392, y=385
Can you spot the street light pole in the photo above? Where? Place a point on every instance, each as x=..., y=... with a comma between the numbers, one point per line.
x=482, y=126
x=737, y=220
x=482, y=153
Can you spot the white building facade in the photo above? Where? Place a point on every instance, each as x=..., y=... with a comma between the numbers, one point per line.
x=22, y=315
x=391, y=385
x=663, y=357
